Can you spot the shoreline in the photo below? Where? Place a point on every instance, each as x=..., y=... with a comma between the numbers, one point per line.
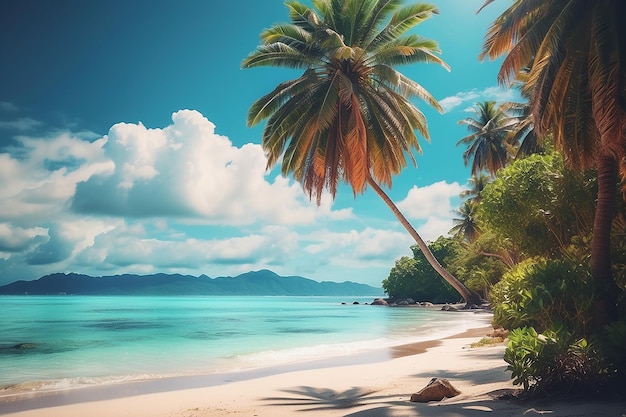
x=369, y=389
x=261, y=363
x=23, y=401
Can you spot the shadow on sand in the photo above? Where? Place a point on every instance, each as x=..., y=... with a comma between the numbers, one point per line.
x=307, y=399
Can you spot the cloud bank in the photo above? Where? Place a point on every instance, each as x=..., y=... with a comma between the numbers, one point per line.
x=180, y=198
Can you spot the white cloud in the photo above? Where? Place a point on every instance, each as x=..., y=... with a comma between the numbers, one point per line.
x=136, y=249
x=14, y=239
x=41, y=177
x=435, y=227
x=469, y=98
x=358, y=249
x=187, y=170
x=430, y=201
x=175, y=199
x=458, y=99
x=432, y=204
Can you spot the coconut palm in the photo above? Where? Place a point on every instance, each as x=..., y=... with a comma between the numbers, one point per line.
x=487, y=147
x=477, y=185
x=348, y=117
x=465, y=225
x=523, y=131
x=576, y=52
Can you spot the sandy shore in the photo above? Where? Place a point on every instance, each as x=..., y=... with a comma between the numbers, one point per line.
x=378, y=389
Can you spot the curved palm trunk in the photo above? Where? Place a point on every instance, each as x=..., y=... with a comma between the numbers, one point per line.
x=606, y=306
x=470, y=297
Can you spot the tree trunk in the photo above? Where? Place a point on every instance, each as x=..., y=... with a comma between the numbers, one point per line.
x=470, y=297
x=606, y=304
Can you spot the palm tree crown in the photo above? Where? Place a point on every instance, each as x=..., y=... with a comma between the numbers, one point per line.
x=487, y=144
x=466, y=225
x=349, y=115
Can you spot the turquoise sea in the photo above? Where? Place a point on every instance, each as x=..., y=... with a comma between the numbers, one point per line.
x=59, y=342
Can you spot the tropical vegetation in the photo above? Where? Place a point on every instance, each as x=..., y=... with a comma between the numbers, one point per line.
x=540, y=231
x=551, y=216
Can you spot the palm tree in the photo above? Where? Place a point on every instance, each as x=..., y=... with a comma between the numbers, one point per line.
x=477, y=185
x=348, y=117
x=523, y=131
x=487, y=147
x=576, y=52
x=466, y=226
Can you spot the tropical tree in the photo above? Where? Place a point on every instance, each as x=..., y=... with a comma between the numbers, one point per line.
x=576, y=52
x=487, y=147
x=415, y=278
x=523, y=132
x=477, y=185
x=348, y=117
x=465, y=225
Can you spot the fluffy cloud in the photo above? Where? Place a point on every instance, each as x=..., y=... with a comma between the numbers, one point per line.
x=41, y=175
x=183, y=199
x=358, y=249
x=135, y=249
x=432, y=205
x=16, y=239
x=458, y=99
x=468, y=98
x=187, y=170
x=175, y=199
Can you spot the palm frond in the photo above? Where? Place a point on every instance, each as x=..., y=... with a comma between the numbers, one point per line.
x=403, y=20
x=375, y=19
x=271, y=102
x=279, y=55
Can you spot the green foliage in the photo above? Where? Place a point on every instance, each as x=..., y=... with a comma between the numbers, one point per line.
x=481, y=263
x=531, y=202
x=612, y=343
x=554, y=363
x=545, y=293
x=522, y=354
x=415, y=278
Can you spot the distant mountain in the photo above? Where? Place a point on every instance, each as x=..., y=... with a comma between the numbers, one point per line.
x=262, y=282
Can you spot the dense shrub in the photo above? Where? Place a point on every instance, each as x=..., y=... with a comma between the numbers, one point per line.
x=415, y=278
x=545, y=293
x=555, y=363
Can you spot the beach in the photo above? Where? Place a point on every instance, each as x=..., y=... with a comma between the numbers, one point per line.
x=328, y=388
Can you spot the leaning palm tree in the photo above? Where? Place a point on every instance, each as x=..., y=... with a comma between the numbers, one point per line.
x=487, y=147
x=576, y=52
x=348, y=117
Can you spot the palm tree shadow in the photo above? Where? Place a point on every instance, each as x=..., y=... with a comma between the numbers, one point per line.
x=307, y=399
x=311, y=398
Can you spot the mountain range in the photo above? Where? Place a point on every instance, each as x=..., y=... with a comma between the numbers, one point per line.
x=263, y=282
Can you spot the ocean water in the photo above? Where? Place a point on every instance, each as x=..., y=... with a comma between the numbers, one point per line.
x=58, y=342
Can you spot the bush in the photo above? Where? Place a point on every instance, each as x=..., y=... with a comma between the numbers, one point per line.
x=415, y=278
x=554, y=363
x=543, y=294
x=612, y=342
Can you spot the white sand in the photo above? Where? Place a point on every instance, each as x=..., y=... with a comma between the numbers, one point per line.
x=378, y=389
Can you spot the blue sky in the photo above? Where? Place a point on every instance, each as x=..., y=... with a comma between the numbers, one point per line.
x=124, y=149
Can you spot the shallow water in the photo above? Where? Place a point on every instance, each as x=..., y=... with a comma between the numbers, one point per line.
x=70, y=341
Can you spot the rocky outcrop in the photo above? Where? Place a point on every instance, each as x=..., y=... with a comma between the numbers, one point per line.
x=436, y=390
